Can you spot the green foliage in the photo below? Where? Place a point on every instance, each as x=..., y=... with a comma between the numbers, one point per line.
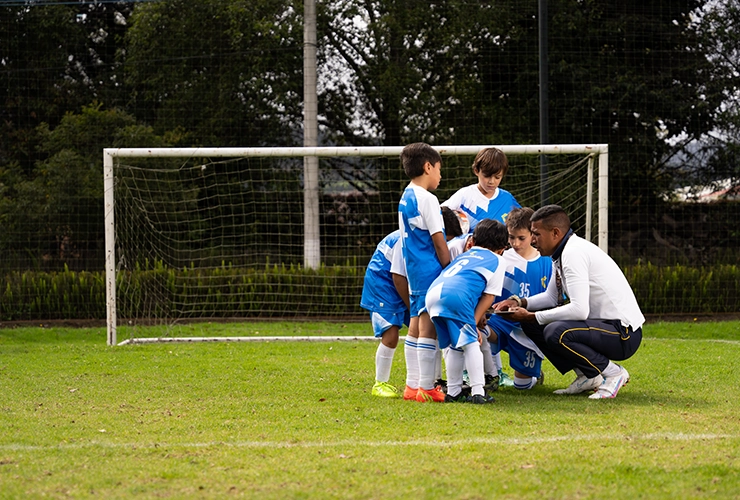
x=280, y=291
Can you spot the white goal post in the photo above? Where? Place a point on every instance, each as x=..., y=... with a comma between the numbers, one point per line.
x=594, y=162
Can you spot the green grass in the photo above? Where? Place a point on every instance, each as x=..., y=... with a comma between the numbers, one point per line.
x=296, y=420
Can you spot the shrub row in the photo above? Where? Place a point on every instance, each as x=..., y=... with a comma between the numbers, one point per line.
x=278, y=291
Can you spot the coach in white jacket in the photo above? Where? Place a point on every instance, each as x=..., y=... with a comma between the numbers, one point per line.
x=587, y=316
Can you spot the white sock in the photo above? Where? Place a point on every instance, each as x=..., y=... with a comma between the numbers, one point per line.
x=383, y=362
x=438, y=367
x=427, y=353
x=488, y=367
x=611, y=370
x=410, y=349
x=474, y=364
x=454, y=361
x=497, y=362
x=523, y=383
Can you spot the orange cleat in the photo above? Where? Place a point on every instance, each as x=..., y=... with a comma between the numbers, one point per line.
x=409, y=394
x=431, y=396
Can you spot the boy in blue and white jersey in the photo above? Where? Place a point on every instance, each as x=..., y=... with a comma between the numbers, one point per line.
x=485, y=199
x=425, y=254
x=527, y=273
x=388, y=311
x=457, y=302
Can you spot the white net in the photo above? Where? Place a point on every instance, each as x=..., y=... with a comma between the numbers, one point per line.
x=205, y=237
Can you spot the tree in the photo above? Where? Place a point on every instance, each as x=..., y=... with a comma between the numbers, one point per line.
x=56, y=216
x=229, y=73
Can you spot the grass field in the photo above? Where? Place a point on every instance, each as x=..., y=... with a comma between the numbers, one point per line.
x=296, y=420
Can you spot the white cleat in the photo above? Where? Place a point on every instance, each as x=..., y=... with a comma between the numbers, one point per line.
x=611, y=385
x=582, y=384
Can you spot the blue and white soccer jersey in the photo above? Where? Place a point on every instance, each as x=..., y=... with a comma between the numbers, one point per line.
x=457, y=245
x=454, y=295
x=379, y=295
x=477, y=207
x=523, y=278
x=419, y=217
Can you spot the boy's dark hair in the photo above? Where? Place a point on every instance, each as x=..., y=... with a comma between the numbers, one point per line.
x=519, y=218
x=491, y=234
x=415, y=156
x=490, y=161
x=452, y=223
x=552, y=216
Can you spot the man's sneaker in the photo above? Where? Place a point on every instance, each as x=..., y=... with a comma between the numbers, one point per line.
x=460, y=398
x=582, y=384
x=481, y=399
x=385, y=390
x=431, y=396
x=504, y=379
x=611, y=385
x=491, y=384
x=442, y=384
x=409, y=394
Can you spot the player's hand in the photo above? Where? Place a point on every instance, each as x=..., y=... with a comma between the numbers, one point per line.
x=505, y=305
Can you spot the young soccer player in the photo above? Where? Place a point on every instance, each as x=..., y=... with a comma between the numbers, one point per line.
x=457, y=302
x=486, y=200
x=388, y=311
x=527, y=273
x=425, y=254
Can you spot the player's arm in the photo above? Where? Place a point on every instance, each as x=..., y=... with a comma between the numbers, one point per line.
x=402, y=287
x=484, y=303
x=440, y=246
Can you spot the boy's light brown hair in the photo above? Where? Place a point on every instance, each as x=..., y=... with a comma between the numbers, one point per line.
x=519, y=218
x=490, y=161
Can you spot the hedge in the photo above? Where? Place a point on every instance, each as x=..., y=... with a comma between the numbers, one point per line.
x=278, y=291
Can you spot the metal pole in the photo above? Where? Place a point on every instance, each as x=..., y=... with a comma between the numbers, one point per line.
x=311, y=236
x=110, y=247
x=544, y=113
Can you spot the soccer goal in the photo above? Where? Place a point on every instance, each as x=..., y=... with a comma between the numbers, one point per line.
x=224, y=234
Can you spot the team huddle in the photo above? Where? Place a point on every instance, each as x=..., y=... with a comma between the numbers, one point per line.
x=464, y=276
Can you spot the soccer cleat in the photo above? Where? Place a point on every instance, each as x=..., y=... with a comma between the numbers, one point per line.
x=479, y=399
x=541, y=379
x=442, y=384
x=492, y=383
x=460, y=398
x=582, y=384
x=430, y=396
x=409, y=394
x=385, y=390
x=504, y=379
x=611, y=385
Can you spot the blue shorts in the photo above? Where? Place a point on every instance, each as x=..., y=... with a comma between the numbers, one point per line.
x=521, y=358
x=383, y=321
x=454, y=333
x=418, y=304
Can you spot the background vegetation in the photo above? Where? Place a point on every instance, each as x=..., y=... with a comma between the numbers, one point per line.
x=657, y=81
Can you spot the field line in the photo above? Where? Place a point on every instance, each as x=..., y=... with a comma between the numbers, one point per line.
x=379, y=444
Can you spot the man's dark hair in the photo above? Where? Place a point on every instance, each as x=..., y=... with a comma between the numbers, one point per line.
x=552, y=216
x=452, y=223
x=490, y=161
x=519, y=218
x=414, y=156
x=491, y=234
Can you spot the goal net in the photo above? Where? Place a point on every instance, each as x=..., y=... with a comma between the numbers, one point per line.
x=219, y=234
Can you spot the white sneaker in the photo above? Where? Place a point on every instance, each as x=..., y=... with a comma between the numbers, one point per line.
x=611, y=385
x=582, y=384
